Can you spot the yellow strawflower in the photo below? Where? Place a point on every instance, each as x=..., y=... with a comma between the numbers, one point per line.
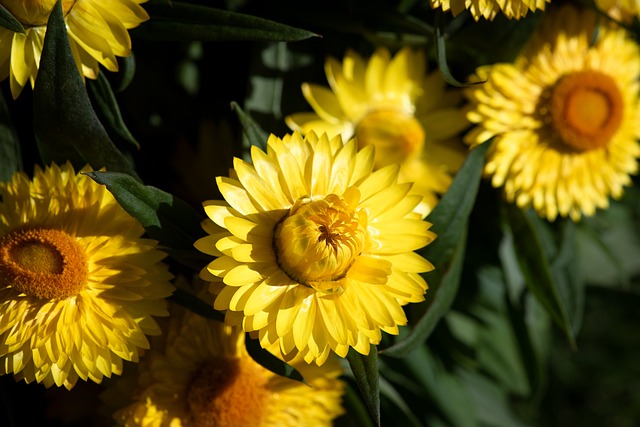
x=315, y=251
x=97, y=34
x=392, y=103
x=621, y=10
x=564, y=116
x=488, y=9
x=78, y=284
x=203, y=377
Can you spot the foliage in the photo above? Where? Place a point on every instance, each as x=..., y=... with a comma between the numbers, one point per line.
x=499, y=340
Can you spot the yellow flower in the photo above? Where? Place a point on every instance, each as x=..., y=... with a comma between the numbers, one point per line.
x=565, y=116
x=203, y=376
x=488, y=9
x=97, y=34
x=314, y=250
x=621, y=10
x=78, y=286
x=393, y=104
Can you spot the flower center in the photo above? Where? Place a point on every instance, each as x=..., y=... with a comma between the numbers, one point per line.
x=42, y=263
x=318, y=241
x=586, y=109
x=228, y=392
x=33, y=13
x=396, y=136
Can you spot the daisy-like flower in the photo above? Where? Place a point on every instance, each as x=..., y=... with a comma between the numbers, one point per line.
x=78, y=284
x=315, y=251
x=488, y=9
x=392, y=103
x=97, y=34
x=620, y=10
x=203, y=376
x=564, y=116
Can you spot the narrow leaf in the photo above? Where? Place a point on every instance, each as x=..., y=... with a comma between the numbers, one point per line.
x=10, y=156
x=271, y=362
x=107, y=109
x=441, y=299
x=452, y=212
x=536, y=269
x=441, y=53
x=184, y=22
x=166, y=218
x=8, y=21
x=66, y=126
x=254, y=134
x=365, y=372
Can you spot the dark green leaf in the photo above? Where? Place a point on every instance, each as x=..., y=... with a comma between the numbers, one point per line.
x=126, y=71
x=10, y=156
x=441, y=53
x=66, y=126
x=107, y=108
x=8, y=21
x=356, y=412
x=452, y=212
x=252, y=131
x=365, y=371
x=535, y=267
x=196, y=305
x=441, y=299
x=271, y=362
x=528, y=356
x=182, y=21
x=167, y=219
x=388, y=391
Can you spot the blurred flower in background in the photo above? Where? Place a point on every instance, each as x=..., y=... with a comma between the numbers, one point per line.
x=315, y=251
x=564, y=116
x=78, y=284
x=488, y=9
x=97, y=34
x=621, y=10
x=203, y=376
x=392, y=103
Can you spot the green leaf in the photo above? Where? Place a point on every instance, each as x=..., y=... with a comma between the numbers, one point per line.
x=183, y=21
x=535, y=267
x=196, y=305
x=10, y=156
x=452, y=212
x=442, y=297
x=108, y=110
x=441, y=53
x=271, y=362
x=8, y=21
x=365, y=372
x=388, y=391
x=254, y=134
x=126, y=71
x=166, y=218
x=65, y=124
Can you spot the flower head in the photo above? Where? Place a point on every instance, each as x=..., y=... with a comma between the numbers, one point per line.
x=394, y=105
x=203, y=376
x=78, y=286
x=621, y=10
x=565, y=116
x=315, y=251
x=97, y=34
x=488, y=9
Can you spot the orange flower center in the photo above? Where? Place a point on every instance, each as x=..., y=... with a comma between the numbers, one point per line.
x=33, y=13
x=228, y=392
x=586, y=109
x=318, y=241
x=396, y=136
x=42, y=263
